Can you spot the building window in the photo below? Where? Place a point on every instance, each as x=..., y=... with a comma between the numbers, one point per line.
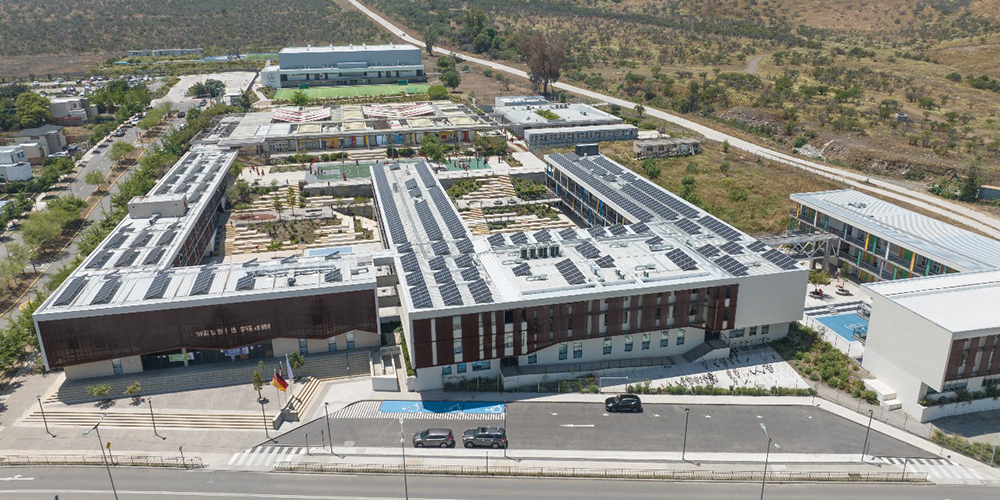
x=303, y=346
x=735, y=334
x=458, y=346
x=577, y=350
x=991, y=381
x=664, y=338
x=563, y=349
x=331, y=344
x=628, y=343
x=461, y=368
x=680, y=337
x=478, y=366
x=645, y=341
x=764, y=329
x=508, y=341
x=955, y=386
x=532, y=358
x=350, y=340
x=446, y=370
x=753, y=331
x=607, y=345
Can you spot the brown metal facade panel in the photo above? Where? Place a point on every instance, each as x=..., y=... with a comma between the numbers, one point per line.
x=499, y=333
x=532, y=331
x=595, y=319
x=615, y=305
x=664, y=310
x=487, y=319
x=700, y=314
x=995, y=358
x=518, y=334
x=681, y=308
x=218, y=326
x=580, y=320
x=635, y=308
x=444, y=334
x=647, y=320
x=423, y=346
x=970, y=363
x=560, y=328
x=545, y=336
x=470, y=337
x=734, y=293
x=954, y=360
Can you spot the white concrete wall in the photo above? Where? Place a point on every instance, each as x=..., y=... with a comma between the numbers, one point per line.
x=940, y=411
x=131, y=364
x=776, y=298
x=899, y=340
x=362, y=339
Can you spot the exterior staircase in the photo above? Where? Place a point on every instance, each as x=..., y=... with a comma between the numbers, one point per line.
x=703, y=349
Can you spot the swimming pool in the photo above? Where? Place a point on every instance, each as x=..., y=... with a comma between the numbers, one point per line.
x=845, y=325
x=477, y=407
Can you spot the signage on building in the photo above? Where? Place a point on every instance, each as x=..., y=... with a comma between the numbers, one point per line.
x=236, y=352
x=180, y=358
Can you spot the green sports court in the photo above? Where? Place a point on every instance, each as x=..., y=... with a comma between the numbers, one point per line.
x=355, y=91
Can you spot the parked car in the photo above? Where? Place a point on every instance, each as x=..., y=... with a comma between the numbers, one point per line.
x=441, y=438
x=623, y=402
x=202, y=103
x=120, y=132
x=495, y=437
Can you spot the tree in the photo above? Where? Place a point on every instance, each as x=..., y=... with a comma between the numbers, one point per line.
x=296, y=360
x=437, y=92
x=431, y=147
x=258, y=383
x=299, y=98
x=545, y=56
x=120, y=149
x=94, y=178
x=208, y=88
x=689, y=190
x=451, y=79
x=725, y=146
x=277, y=205
x=99, y=390
x=32, y=110
x=134, y=390
x=430, y=38
x=972, y=182
x=817, y=278
x=639, y=110
x=290, y=198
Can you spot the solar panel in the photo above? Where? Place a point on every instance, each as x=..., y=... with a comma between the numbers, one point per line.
x=757, y=246
x=597, y=231
x=127, y=258
x=640, y=228
x=99, y=260
x=779, y=259
x=443, y=276
x=470, y=274
x=251, y=263
x=496, y=240
x=440, y=248
x=542, y=236
x=424, y=171
x=522, y=270
x=428, y=221
x=116, y=241
x=570, y=272
x=333, y=276
x=451, y=219
x=141, y=240
x=480, y=292
x=167, y=237
x=401, y=248
x=421, y=297
x=415, y=278
x=465, y=246
x=154, y=256
x=731, y=247
x=568, y=234
x=450, y=294
x=246, y=282
x=71, y=291
x=410, y=262
x=464, y=261
x=437, y=263
x=655, y=240
x=682, y=260
x=618, y=230
x=588, y=250
x=688, y=226
x=157, y=287
x=389, y=212
x=203, y=282
x=708, y=250
x=107, y=291
x=411, y=183
x=606, y=262
x=519, y=238
x=731, y=266
x=719, y=228
x=289, y=259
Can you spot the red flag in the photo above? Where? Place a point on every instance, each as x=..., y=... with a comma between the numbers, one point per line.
x=279, y=382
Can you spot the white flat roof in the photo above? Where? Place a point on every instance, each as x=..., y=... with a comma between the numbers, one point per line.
x=346, y=48
x=957, y=302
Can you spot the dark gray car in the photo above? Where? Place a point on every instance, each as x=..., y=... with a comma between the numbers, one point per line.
x=441, y=438
x=495, y=437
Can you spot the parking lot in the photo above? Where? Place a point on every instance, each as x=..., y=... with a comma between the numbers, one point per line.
x=586, y=426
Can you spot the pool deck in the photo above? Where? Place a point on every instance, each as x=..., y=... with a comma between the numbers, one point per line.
x=830, y=299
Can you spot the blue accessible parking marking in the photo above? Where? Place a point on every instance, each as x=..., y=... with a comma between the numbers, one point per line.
x=443, y=407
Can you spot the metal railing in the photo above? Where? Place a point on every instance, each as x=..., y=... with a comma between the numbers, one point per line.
x=663, y=474
x=118, y=461
x=868, y=267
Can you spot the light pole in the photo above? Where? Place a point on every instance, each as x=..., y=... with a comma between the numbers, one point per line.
x=505, y=430
x=44, y=420
x=100, y=443
x=687, y=414
x=402, y=448
x=767, y=455
x=864, y=448
x=326, y=408
x=153, y=418
x=266, y=433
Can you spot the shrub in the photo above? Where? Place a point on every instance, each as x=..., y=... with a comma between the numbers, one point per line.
x=99, y=390
x=800, y=141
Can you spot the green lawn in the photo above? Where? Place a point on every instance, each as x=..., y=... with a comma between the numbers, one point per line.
x=358, y=91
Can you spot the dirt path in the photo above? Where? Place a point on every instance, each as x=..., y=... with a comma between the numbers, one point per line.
x=752, y=64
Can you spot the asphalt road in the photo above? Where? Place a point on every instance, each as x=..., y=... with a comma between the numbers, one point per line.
x=91, y=483
x=582, y=426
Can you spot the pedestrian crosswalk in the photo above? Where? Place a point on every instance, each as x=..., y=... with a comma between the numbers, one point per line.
x=939, y=470
x=372, y=409
x=264, y=457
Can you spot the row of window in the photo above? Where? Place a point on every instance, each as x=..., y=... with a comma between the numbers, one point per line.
x=477, y=366
x=331, y=344
x=740, y=332
x=607, y=349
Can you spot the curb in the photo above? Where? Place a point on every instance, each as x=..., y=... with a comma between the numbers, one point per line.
x=82, y=460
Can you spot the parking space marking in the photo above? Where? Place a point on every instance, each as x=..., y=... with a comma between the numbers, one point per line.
x=372, y=409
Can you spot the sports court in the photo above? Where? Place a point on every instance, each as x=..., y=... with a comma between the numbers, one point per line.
x=355, y=91
x=473, y=163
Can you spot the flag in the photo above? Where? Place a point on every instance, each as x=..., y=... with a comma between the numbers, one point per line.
x=279, y=382
x=291, y=376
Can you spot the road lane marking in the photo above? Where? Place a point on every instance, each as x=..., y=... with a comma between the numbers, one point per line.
x=573, y=426
x=17, y=478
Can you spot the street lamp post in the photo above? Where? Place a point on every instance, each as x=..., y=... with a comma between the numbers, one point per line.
x=402, y=448
x=100, y=443
x=767, y=455
x=864, y=448
x=153, y=418
x=326, y=408
x=264, y=414
x=687, y=414
x=505, y=430
x=44, y=420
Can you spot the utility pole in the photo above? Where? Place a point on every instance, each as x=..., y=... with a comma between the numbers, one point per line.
x=326, y=408
x=402, y=448
x=864, y=448
x=44, y=420
x=687, y=414
x=767, y=455
x=100, y=443
x=153, y=418
x=266, y=433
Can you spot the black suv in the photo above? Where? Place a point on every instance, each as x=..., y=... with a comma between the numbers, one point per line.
x=624, y=402
x=485, y=436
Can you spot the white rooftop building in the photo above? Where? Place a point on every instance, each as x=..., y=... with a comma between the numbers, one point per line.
x=344, y=65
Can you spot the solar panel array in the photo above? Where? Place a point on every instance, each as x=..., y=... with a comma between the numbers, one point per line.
x=640, y=228
x=757, y=246
x=203, y=282
x=415, y=278
x=708, y=250
x=464, y=261
x=427, y=219
x=333, y=276
x=410, y=262
x=116, y=241
x=597, y=231
x=688, y=227
x=421, y=297
x=99, y=260
x=154, y=256
x=437, y=263
x=682, y=260
x=450, y=294
x=600, y=167
x=443, y=276
x=142, y=239
x=731, y=266
x=497, y=240
x=425, y=174
x=779, y=259
x=440, y=248
x=719, y=228
x=568, y=234
x=448, y=213
x=107, y=291
x=127, y=258
x=570, y=272
x=605, y=262
x=167, y=237
x=480, y=292
x=71, y=291
x=470, y=274
x=655, y=240
x=731, y=247
x=246, y=282
x=411, y=184
x=465, y=246
x=542, y=236
x=618, y=230
x=519, y=238
x=390, y=213
x=588, y=250
x=158, y=287
x=522, y=270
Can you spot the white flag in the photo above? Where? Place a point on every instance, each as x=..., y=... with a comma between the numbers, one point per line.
x=291, y=376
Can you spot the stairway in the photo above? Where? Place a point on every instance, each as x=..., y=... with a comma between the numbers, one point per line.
x=703, y=349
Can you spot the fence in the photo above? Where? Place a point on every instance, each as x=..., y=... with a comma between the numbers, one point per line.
x=118, y=461
x=662, y=474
